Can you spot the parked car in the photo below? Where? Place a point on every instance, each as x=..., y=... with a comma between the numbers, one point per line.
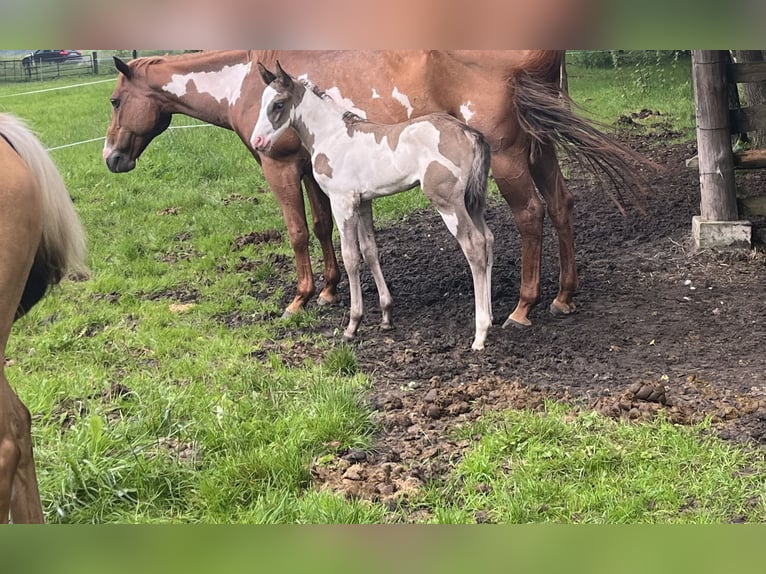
x=52, y=56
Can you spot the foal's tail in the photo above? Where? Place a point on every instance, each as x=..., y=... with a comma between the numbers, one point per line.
x=545, y=114
x=476, y=187
x=62, y=246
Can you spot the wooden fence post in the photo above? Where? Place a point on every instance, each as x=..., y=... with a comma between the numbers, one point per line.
x=718, y=224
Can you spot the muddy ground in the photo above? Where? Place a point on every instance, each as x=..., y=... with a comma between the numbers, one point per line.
x=659, y=326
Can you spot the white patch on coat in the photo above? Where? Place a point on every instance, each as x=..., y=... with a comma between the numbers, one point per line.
x=345, y=103
x=224, y=84
x=375, y=94
x=450, y=220
x=466, y=112
x=404, y=100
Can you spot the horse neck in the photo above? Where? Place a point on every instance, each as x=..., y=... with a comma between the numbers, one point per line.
x=317, y=119
x=186, y=84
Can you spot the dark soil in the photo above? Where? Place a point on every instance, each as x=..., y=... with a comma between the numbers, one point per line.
x=658, y=327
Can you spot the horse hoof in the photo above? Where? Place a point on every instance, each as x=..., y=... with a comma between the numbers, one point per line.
x=386, y=326
x=287, y=314
x=325, y=301
x=557, y=311
x=513, y=323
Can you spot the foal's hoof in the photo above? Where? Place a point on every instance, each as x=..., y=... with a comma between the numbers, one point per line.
x=386, y=326
x=559, y=310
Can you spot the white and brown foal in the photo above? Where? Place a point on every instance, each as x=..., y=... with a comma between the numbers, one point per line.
x=354, y=161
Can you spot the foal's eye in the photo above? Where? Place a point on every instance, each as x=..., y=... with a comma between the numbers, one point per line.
x=115, y=103
x=278, y=105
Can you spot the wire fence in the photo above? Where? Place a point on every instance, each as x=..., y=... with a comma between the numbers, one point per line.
x=22, y=67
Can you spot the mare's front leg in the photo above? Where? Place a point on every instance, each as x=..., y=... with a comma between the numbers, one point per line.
x=347, y=218
x=284, y=178
x=322, y=215
x=369, y=248
x=511, y=172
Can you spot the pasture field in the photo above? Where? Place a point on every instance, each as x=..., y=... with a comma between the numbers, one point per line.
x=159, y=393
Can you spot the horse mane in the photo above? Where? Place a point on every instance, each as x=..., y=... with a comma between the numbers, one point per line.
x=348, y=116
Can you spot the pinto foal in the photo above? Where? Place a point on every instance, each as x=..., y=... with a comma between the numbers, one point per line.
x=355, y=161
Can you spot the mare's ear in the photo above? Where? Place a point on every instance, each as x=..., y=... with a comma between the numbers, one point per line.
x=283, y=77
x=122, y=67
x=267, y=76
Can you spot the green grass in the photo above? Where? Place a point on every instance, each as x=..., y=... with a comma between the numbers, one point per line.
x=148, y=412
x=555, y=466
x=605, y=94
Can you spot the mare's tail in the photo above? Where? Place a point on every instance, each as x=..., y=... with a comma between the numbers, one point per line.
x=545, y=114
x=476, y=187
x=62, y=247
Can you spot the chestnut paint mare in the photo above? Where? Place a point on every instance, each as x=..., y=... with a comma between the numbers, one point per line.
x=511, y=97
x=41, y=240
x=356, y=161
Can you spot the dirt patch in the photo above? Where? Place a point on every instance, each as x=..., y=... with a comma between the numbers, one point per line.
x=658, y=327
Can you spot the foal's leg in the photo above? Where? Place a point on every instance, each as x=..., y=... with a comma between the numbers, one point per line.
x=284, y=178
x=472, y=238
x=347, y=219
x=369, y=248
x=515, y=183
x=559, y=203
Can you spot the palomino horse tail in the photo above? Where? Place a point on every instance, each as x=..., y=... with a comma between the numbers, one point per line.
x=476, y=187
x=62, y=246
x=545, y=114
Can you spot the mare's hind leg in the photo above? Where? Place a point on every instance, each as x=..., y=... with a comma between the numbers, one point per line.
x=511, y=173
x=25, y=495
x=322, y=215
x=559, y=204
x=19, y=233
x=369, y=248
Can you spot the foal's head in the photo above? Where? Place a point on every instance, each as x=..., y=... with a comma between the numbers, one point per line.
x=278, y=102
x=137, y=118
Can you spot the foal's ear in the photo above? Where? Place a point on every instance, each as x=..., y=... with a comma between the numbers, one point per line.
x=283, y=77
x=122, y=67
x=267, y=76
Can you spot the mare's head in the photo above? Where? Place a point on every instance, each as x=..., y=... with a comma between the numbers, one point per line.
x=137, y=118
x=278, y=102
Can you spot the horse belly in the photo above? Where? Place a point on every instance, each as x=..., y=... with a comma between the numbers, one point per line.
x=370, y=172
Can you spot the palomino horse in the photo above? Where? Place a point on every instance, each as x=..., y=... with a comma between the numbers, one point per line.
x=356, y=161
x=511, y=97
x=41, y=240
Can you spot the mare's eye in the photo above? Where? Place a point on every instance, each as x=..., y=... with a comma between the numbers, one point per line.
x=278, y=105
x=115, y=103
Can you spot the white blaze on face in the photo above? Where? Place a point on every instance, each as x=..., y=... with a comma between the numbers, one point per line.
x=466, y=112
x=225, y=84
x=263, y=126
x=404, y=100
